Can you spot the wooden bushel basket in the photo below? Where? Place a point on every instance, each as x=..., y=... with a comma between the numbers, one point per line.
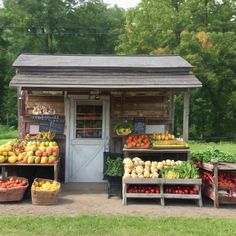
x=45, y=197
x=15, y=193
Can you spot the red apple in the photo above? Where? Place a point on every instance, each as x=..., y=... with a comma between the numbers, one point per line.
x=45, y=154
x=51, y=159
x=55, y=148
x=49, y=150
x=38, y=153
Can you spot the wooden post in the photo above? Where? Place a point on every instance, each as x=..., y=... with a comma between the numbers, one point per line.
x=19, y=112
x=124, y=188
x=172, y=111
x=186, y=115
x=162, y=195
x=216, y=195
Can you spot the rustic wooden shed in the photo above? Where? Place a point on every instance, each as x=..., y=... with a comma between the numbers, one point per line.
x=81, y=97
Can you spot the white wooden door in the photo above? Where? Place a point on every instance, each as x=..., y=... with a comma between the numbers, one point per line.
x=89, y=138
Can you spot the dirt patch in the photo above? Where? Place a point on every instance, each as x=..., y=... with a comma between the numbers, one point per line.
x=89, y=199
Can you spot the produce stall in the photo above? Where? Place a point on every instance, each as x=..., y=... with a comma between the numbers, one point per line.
x=218, y=173
x=163, y=189
x=219, y=182
x=30, y=152
x=164, y=179
x=93, y=102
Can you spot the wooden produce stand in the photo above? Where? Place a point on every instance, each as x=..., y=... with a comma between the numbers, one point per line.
x=5, y=165
x=162, y=195
x=212, y=191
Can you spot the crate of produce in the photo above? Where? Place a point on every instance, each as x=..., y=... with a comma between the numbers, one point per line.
x=45, y=191
x=13, y=188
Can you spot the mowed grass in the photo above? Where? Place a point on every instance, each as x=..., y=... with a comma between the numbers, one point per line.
x=223, y=146
x=116, y=226
x=7, y=132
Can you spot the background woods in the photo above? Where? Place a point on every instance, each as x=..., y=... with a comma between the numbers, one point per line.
x=202, y=31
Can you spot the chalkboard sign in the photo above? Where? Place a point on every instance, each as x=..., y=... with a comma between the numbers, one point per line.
x=44, y=127
x=57, y=128
x=53, y=123
x=139, y=125
x=54, y=118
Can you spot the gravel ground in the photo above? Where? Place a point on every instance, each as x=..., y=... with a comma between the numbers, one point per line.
x=90, y=199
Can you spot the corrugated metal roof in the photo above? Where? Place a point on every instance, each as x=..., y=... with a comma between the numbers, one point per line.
x=106, y=81
x=37, y=60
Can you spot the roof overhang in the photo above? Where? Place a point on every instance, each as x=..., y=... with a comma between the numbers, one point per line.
x=103, y=72
x=106, y=81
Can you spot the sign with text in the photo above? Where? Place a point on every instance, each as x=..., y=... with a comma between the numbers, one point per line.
x=139, y=125
x=55, y=118
x=53, y=123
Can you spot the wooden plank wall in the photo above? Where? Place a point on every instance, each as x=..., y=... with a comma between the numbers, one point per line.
x=155, y=109
x=140, y=106
x=28, y=101
x=56, y=102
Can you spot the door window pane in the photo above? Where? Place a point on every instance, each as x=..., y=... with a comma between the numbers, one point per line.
x=89, y=121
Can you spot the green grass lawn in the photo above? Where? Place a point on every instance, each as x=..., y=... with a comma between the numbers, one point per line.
x=223, y=146
x=7, y=132
x=116, y=226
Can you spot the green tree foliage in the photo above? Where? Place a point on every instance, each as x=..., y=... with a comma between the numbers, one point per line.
x=49, y=26
x=213, y=56
x=91, y=28
x=203, y=32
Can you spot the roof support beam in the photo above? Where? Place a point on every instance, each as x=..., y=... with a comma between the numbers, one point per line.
x=186, y=115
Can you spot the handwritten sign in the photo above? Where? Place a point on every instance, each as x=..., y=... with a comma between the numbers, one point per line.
x=57, y=128
x=44, y=127
x=55, y=118
x=139, y=125
x=53, y=123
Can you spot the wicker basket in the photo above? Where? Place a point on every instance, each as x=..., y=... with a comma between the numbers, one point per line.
x=15, y=193
x=45, y=197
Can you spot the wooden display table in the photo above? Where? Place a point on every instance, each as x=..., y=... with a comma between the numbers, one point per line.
x=157, y=150
x=212, y=191
x=5, y=165
x=162, y=195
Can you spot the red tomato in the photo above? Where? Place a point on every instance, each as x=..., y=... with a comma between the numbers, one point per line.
x=186, y=191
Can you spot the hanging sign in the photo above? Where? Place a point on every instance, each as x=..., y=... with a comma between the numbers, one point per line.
x=139, y=125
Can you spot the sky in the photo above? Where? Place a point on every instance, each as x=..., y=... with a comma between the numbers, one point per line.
x=120, y=3
x=123, y=3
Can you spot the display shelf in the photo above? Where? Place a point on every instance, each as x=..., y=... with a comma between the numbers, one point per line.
x=212, y=191
x=182, y=151
x=88, y=128
x=4, y=166
x=162, y=183
x=153, y=150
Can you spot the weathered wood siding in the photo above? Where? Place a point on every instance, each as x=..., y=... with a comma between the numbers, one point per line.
x=155, y=108
x=56, y=102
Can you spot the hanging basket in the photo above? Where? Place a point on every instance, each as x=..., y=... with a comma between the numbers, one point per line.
x=124, y=133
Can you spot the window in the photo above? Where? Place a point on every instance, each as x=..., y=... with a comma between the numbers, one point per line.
x=89, y=121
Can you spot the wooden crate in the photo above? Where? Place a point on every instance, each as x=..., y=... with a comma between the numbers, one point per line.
x=162, y=195
x=213, y=191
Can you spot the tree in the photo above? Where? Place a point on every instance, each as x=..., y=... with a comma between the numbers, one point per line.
x=203, y=32
x=49, y=26
x=213, y=56
x=91, y=28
